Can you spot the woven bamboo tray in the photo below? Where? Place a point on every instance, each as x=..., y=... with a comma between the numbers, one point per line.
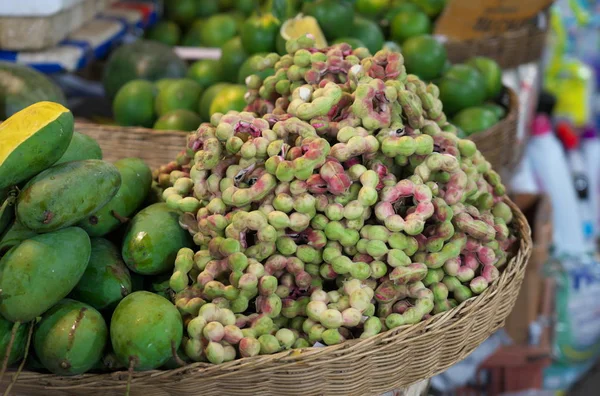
x=498, y=144
x=510, y=49
x=391, y=360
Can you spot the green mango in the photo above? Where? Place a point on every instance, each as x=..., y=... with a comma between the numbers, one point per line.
x=41, y=271
x=146, y=329
x=70, y=338
x=66, y=194
x=136, y=179
x=153, y=239
x=82, y=147
x=14, y=234
x=17, y=352
x=106, y=280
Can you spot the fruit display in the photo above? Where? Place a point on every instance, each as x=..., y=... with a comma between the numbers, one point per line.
x=339, y=202
x=468, y=91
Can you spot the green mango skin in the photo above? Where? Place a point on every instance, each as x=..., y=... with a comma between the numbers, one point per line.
x=66, y=194
x=82, y=147
x=70, y=338
x=153, y=239
x=17, y=351
x=14, y=235
x=41, y=271
x=40, y=150
x=136, y=179
x=147, y=329
x=106, y=280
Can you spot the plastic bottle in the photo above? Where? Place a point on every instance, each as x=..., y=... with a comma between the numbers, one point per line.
x=590, y=146
x=577, y=166
x=552, y=172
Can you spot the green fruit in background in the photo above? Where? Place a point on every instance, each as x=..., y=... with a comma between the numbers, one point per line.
x=407, y=24
x=134, y=104
x=106, y=280
x=70, y=338
x=153, y=239
x=354, y=42
x=334, y=17
x=259, y=33
x=32, y=140
x=239, y=19
x=205, y=8
x=371, y=8
x=233, y=56
x=22, y=86
x=246, y=7
x=67, y=193
x=166, y=32
x=424, y=56
x=431, y=7
x=181, y=94
x=475, y=119
x=500, y=111
x=41, y=271
x=491, y=72
x=205, y=72
x=82, y=147
x=207, y=98
x=193, y=37
x=142, y=59
x=368, y=32
x=217, y=30
x=390, y=14
x=17, y=352
x=136, y=179
x=163, y=83
x=178, y=120
x=145, y=329
x=182, y=12
x=250, y=66
x=230, y=98
x=462, y=86
x=392, y=46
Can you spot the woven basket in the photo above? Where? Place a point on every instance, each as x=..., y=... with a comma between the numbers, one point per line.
x=391, y=360
x=498, y=144
x=510, y=49
x=156, y=148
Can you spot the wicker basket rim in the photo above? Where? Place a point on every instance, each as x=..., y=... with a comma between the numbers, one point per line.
x=400, y=335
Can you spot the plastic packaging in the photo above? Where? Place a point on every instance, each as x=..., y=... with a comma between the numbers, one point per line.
x=552, y=172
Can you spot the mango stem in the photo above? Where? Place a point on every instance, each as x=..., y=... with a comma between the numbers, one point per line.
x=13, y=334
x=27, y=345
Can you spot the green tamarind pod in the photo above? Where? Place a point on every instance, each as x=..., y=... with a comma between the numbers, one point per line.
x=145, y=330
x=81, y=147
x=41, y=271
x=136, y=179
x=17, y=351
x=106, y=279
x=65, y=194
x=13, y=235
x=153, y=239
x=70, y=338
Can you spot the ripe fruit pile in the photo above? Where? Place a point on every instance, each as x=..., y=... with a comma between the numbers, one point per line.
x=339, y=205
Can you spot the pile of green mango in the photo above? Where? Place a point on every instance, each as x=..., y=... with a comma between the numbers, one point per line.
x=84, y=252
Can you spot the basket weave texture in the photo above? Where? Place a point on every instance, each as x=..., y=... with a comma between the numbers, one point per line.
x=499, y=144
x=390, y=360
x=510, y=49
